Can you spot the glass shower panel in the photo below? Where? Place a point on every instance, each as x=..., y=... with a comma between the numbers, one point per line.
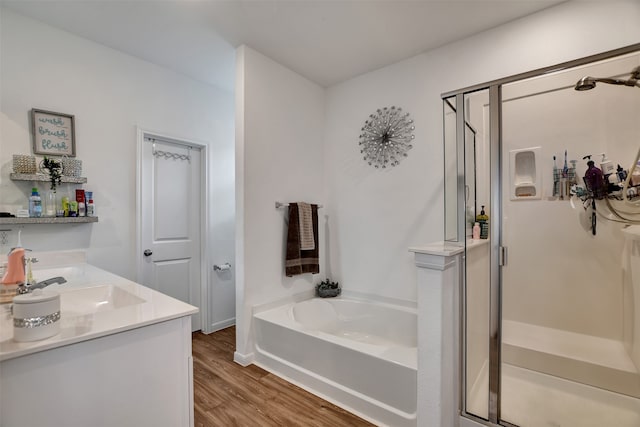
x=569, y=352
x=476, y=284
x=450, y=170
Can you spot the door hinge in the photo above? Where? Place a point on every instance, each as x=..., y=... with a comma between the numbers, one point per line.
x=502, y=256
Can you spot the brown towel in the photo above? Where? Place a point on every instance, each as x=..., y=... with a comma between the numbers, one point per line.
x=300, y=261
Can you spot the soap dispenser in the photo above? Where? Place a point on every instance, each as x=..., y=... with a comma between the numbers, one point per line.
x=594, y=178
x=483, y=220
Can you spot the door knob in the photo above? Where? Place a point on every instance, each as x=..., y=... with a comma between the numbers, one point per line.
x=148, y=252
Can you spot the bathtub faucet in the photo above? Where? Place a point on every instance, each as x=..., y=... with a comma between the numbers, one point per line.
x=25, y=288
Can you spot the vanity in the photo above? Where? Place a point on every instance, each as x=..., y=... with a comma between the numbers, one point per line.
x=122, y=357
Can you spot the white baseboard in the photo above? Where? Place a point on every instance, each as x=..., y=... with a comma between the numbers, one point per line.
x=243, y=359
x=222, y=324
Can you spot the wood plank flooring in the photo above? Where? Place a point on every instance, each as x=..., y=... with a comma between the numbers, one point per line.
x=229, y=395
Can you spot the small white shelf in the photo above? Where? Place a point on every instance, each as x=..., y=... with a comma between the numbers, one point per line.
x=45, y=178
x=50, y=220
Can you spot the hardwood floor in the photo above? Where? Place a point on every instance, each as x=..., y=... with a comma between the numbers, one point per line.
x=229, y=395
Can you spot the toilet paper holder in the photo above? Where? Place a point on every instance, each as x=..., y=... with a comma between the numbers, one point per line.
x=224, y=267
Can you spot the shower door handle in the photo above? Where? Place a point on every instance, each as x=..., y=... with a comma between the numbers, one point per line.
x=502, y=256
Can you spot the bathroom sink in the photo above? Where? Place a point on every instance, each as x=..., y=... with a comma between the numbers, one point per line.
x=95, y=299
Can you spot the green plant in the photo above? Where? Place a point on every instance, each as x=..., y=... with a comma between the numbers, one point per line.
x=327, y=288
x=327, y=284
x=55, y=171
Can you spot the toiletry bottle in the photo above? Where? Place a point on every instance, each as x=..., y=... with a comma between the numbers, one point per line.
x=483, y=220
x=635, y=176
x=13, y=275
x=606, y=166
x=73, y=208
x=594, y=179
x=476, y=231
x=91, y=208
x=622, y=174
x=80, y=198
x=35, y=204
x=65, y=206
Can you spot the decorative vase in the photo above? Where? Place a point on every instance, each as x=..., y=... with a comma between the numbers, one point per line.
x=51, y=204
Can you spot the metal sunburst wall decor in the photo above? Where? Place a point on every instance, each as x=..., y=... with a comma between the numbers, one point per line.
x=386, y=137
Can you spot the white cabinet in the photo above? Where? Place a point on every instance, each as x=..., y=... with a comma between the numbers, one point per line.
x=139, y=377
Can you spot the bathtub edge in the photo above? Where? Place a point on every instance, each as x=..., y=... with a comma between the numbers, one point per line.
x=349, y=400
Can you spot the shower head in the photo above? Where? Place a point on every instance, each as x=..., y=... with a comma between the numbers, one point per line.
x=587, y=82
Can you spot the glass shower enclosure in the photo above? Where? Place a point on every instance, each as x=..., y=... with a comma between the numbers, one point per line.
x=551, y=298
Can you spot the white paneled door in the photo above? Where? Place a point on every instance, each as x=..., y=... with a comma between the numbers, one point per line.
x=170, y=220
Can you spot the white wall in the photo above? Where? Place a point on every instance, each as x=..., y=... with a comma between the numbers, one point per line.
x=377, y=214
x=373, y=216
x=573, y=280
x=110, y=94
x=279, y=157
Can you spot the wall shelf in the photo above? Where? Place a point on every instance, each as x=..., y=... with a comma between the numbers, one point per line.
x=50, y=220
x=45, y=178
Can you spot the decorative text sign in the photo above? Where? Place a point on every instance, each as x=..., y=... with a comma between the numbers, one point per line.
x=53, y=133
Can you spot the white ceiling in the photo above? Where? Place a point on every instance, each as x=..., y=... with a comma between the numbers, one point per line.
x=327, y=41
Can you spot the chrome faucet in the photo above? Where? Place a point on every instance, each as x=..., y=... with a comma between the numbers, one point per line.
x=25, y=288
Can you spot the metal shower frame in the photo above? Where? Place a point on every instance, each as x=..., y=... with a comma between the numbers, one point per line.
x=497, y=251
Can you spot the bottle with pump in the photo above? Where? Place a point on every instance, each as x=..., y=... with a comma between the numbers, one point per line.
x=594, y=178
x=35, y=204
x=483, y=222
x=606, y=166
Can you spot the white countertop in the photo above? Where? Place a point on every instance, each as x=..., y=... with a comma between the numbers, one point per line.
x=448, y=248
x=439, y=249
x=149, y=307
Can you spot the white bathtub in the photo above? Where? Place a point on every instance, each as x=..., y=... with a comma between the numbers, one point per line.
x=359, y=355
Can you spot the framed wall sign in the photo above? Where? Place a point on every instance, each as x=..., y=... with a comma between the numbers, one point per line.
x=53, y=133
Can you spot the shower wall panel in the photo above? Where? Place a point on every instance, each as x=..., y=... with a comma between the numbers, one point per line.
x=558, y=274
